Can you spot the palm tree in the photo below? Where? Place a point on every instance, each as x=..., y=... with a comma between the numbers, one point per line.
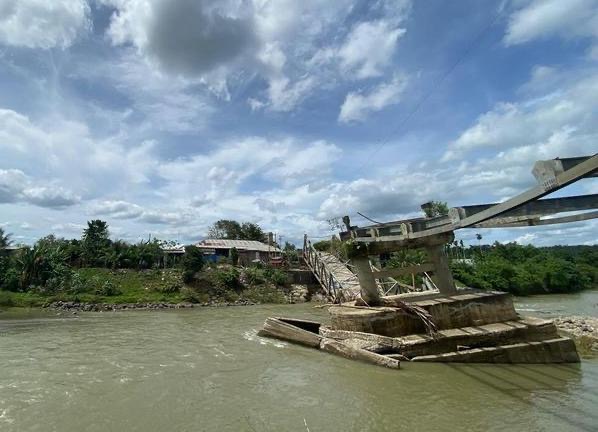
x=479, y=237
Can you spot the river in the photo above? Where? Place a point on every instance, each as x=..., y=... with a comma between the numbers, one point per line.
x=206, y=370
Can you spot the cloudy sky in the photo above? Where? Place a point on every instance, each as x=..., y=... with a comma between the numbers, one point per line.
x=163, y=116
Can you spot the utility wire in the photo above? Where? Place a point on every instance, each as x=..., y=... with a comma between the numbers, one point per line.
x=470, y=48
x=475, y=42
x=365, y=217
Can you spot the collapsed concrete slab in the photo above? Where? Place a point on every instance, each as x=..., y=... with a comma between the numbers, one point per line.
x=471, y=327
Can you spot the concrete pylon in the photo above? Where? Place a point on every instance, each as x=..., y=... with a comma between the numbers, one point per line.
x=442, y=277
x=369, y=288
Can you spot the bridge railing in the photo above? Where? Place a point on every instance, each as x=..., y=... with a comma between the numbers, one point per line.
x=313, y=260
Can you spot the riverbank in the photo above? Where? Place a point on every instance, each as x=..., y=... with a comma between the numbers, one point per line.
x=104, y=289
x=105, y=307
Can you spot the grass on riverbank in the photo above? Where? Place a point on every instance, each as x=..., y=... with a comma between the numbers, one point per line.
x=99, y=285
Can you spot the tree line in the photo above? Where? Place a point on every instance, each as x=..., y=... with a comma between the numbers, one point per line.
x=525, y=270
x=48, y=264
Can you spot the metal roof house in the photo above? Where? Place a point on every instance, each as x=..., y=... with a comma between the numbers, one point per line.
x=249, y=250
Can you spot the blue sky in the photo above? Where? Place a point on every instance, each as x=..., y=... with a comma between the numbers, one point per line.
x=163, y=116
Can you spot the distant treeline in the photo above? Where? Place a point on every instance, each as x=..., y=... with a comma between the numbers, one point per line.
x=525, y=270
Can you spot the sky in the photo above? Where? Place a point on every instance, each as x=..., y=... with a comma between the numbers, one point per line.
x=161, y=117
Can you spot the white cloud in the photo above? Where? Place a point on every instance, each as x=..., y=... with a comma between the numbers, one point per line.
x=357, y=106
x=369, y=48
x=547, y=18
x=220, y=173
x=562, y=123
x=284, y=95
x=230, y=42
x=43, y=23
x=16, y=186
x=116, y=209
x=158, y=101
x=63, y=156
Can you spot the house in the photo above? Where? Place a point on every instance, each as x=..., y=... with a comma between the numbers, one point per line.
x=249, y=250
x=172, y=253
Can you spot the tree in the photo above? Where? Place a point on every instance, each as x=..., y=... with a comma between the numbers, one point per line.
x=252, y=231
x=225, y=229
x=41, y=264
x=4, y=239
x=291, y=253
x=192, y=262
x=95, y=241
x=233, y=230
x=435, y=208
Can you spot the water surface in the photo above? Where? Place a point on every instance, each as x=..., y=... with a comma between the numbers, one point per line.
x=206, y=370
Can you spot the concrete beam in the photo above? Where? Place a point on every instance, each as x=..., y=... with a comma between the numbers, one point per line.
x=536, y=208
x=521, y=221
x=403, y=271
x=546, y=171
x=561, y=180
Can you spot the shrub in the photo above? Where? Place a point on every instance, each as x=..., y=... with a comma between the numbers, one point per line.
x=254, y=276
x=11, y=280
x=78, y=284
x=278, y=277
x=193, y=259
x=169, y=287
x=190, y=295
x=107, y=289
x=188, y=276
x=6, y=299
x=226, y=278
x=234, y=256
x=265, y=294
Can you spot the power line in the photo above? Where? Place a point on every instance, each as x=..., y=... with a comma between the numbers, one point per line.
x=474, y=43
x=477, y=39
x=365, y=217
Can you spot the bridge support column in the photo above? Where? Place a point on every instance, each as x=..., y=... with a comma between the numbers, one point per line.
x=369, y=289
x=443, y=278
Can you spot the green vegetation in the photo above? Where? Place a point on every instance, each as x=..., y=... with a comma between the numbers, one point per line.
x=233, y=230
x=435, y=209
x=96, y=269
x=525, y=270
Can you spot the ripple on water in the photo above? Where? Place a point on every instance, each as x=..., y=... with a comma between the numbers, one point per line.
x=5, y=418
x=251, y=335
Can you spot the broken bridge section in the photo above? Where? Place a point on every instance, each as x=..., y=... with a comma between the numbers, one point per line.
x=432, y=234
x=336, y=279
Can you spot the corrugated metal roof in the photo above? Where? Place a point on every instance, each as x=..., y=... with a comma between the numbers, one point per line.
x=251, y=245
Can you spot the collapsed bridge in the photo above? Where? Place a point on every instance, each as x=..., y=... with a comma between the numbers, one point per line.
x=445, y=324
x=359, y=277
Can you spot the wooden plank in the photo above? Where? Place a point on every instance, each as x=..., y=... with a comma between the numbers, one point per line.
x=402, y=271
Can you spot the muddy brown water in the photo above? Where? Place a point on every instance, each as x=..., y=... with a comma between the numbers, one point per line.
x=206, y=370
